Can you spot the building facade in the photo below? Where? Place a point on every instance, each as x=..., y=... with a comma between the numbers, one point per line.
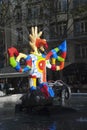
x=59, y=20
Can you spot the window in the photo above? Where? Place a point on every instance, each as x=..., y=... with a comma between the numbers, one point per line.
x=77, y=3
x=62, y=28
x=84, y=51
x=2, y=51
x=80, y=26
x=41, y=11
x=20, y=35
x=77, y=27
x=34, y=0
x=52, y=30
x=29, y=13
x=78, y=51
x=81, y=51
x=85, y=26
x=58, y=29
x=62, y=5
x=35, y=12
x=18, y=14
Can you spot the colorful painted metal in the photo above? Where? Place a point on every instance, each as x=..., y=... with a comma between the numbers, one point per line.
x=37, y=61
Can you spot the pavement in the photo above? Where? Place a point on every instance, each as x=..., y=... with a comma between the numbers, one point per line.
x=16, y=97
x=10, y=98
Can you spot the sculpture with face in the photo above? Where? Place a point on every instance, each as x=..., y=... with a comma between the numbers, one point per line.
x=38, y=60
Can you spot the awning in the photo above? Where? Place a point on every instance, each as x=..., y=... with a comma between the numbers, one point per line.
x=9, y=72
x=11, y=75
x=80, y=68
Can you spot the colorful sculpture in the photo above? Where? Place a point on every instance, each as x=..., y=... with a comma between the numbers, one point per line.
x=38, y=60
